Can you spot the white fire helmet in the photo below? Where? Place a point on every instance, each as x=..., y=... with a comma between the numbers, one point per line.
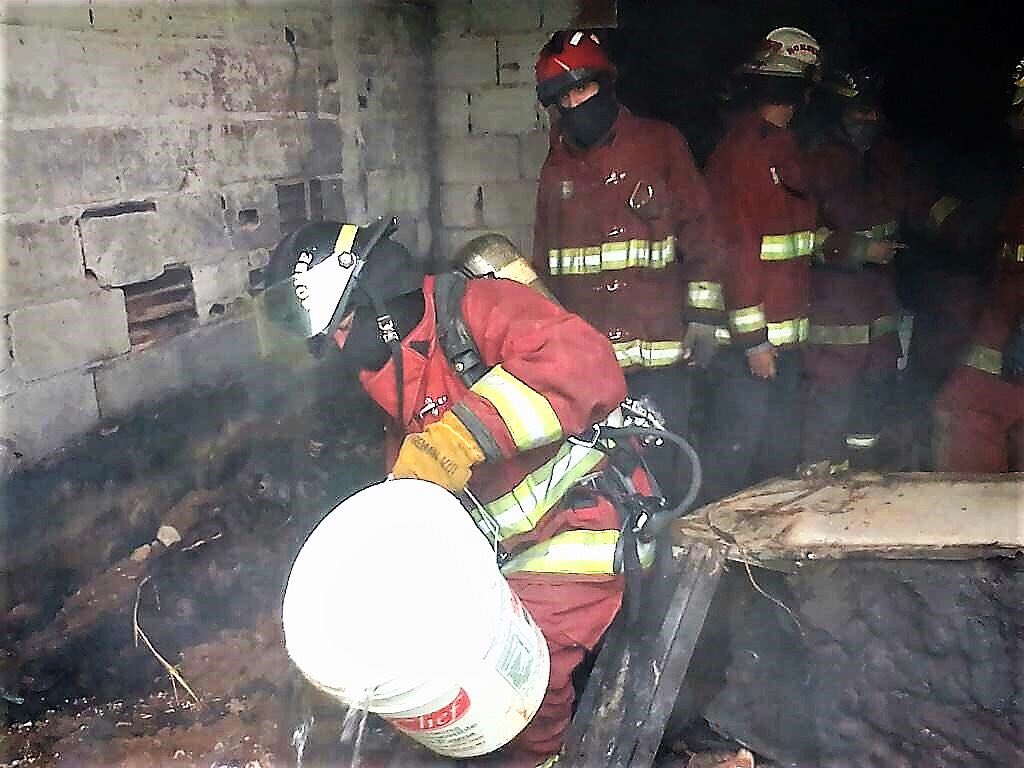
x=786, y=52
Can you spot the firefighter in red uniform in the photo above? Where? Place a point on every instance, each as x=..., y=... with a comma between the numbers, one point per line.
x=867, y=192
x=549, y=376
x=980, y=412
x=757, y=184
x=624, y=235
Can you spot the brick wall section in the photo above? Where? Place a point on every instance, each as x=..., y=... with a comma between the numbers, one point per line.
x=493, y=133
x=140, y=135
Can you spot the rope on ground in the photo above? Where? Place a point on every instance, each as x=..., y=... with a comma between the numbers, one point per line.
x=137, y=633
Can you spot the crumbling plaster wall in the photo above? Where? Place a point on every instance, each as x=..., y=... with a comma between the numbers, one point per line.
x=493, y=133
x=141, y=135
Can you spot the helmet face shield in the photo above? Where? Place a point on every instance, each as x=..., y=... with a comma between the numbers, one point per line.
x=317, y=290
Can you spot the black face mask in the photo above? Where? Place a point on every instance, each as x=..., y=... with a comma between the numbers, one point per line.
x=861, y=133
x=363, y=350
x=586, y=123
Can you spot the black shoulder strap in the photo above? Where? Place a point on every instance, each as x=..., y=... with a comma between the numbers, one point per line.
x=452, y=333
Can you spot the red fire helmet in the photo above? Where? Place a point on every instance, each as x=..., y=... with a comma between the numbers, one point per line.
x=569, y=58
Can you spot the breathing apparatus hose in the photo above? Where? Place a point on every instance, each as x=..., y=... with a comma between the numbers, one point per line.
x=658, y=521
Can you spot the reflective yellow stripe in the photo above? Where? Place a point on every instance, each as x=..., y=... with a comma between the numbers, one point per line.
x=789, y=331
x=580, y=552
x=528, y=415
x=346, y=237
x=612, y=256
x=649, y=354
x=985, y=359
x=941, y=210
x=861, y=441
x=704, y=295
x=839, y=334
x=783, y=247
x=519, y=510
x=1013, y=252
x=852, y=334
x=880, y=231
x=747, y=319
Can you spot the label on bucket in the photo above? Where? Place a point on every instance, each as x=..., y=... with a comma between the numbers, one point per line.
x=439, y=718
x=493, y=699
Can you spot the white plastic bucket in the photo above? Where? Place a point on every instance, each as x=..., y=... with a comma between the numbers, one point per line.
x=395, y=604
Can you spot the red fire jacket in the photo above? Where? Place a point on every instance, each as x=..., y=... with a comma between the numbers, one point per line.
x=551, y=376
x=862, y=197
x=977, y=407
x=758, y=187
x=631, y=270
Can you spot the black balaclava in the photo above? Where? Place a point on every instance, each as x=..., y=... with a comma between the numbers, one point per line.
x=395, y=279
x=861, y=133
x=589, y=122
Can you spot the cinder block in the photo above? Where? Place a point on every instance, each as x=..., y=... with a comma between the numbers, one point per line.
x=479, y=159
x=71, y=15
x=397, y=191
x=40, y=261
x=453, y=17
x=501, y=16
x=212, y=355
x=325, y=151
x=220, y=153
x=219, y=284
x=154, y=159
x=205, y=20
x=504, y=110
x=39, y=73
x=52, y=338
x=509, y=204
x=452, y=108
x=192, y=228
x=45, y=415
x=465, y=61
x=5, y=344
x=124, y=249
x=278, y=148
x=584, y=14
x=533, y=151
x=251, y=215
x=517, y=55
x=247, y=79
x=462, y=205
x=333, y=193
x=57, y=167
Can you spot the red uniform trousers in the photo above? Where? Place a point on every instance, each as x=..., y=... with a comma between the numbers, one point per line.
x=979, y=424
x=573, y=616
x=848, y=385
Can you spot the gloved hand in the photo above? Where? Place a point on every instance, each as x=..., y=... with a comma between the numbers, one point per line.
x=761, y=360
x=443, y=453
x=699, y=344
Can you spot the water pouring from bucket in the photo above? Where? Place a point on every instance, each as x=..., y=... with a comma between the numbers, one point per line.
x=395, y=603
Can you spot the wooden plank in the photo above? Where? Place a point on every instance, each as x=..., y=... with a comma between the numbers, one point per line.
x=630, y=695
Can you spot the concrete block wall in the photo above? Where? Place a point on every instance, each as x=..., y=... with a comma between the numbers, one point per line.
x=493, y=135
x=139, y=135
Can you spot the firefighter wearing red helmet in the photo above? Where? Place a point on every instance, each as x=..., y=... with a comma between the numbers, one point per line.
x=869, y=194
x=624, y=234
x=756, y=178
x=980, y=411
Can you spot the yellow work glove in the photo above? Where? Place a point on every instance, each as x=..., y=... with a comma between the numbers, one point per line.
x=443, y=453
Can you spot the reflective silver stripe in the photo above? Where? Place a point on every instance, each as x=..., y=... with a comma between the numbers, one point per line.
x=1014, y=252
x=789, y=331
x=784, y=247
x=574, y=552
x=941, y=210
x=880, y=231
x=852, y=334
x=649, y=354
x=612, y=256
x=530, y=419
x=705, y=295
x=747, y=319
x=861, y=441
x=985, y=359
x=519, y=510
